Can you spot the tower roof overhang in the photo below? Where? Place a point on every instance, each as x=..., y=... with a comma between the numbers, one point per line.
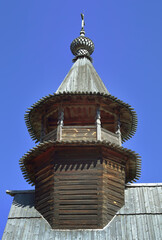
x=52, y=102
x=132, y=159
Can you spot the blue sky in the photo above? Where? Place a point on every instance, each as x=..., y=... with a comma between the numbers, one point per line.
x=35, y=57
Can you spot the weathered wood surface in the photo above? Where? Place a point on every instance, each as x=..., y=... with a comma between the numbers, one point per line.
x=79, y=188
x=113, y=188
x=79, y=133
x=50, y=136
x=82, y=133
x=80, y=109
x=44, y=185
x=139, y=219
x=110, y=136
x=77, y=183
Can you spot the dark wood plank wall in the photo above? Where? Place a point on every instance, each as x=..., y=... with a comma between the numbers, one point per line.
x=44, y=175
x=113, y=188
x=78, y=189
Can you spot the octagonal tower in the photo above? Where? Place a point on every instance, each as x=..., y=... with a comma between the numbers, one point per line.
x=80, y=168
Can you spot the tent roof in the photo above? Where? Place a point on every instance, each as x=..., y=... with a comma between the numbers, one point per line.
x=82, y=77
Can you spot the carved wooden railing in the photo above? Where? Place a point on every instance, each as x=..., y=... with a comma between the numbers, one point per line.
x=82, y=133
x=50, y=136
x=79, y=133
x=110, y=136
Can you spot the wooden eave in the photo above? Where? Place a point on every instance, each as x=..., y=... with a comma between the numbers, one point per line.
x=133, y=160
x=46, y=105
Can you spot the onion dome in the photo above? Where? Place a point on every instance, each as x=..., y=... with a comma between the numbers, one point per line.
x=82, y=46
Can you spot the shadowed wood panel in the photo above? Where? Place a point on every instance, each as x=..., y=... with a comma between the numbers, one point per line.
x=44, y=187
x=113, y=188
x=79, y=187
x=77, y=183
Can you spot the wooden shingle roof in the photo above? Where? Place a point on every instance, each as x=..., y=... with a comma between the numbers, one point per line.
x=140, y=218
x=82, y=77
x=34, y=113
x=26, y=168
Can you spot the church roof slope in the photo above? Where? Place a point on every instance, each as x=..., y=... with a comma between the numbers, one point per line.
x=140, y=218
x=82, y=77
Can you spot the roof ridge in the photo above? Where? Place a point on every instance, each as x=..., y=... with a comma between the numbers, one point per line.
x=143, y=185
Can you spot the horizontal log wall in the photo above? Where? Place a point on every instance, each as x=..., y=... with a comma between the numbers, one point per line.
x=79, y=187
x=113, y=188
x=43, y=188
x=78, y=190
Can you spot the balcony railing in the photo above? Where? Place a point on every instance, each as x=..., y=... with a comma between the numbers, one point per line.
x=82, y=133
x=111, y=137
x=50, y=136
x=79, y=133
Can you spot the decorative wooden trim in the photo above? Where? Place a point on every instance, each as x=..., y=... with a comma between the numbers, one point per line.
x=98, y=124
x=60, y=124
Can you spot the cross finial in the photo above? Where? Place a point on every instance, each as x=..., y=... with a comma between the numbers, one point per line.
x=82, y=32
x=83, y=22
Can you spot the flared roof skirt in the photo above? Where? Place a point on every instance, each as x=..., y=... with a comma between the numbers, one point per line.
x=27, y=170
x=33, y=115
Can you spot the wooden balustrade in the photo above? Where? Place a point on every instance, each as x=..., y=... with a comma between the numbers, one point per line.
x=79, y=133
x=82, y=133
x=50, y=136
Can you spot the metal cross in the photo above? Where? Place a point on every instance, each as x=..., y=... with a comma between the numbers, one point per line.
x=83, y=22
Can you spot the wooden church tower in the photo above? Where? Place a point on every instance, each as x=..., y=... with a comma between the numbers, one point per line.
x=79, y=168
